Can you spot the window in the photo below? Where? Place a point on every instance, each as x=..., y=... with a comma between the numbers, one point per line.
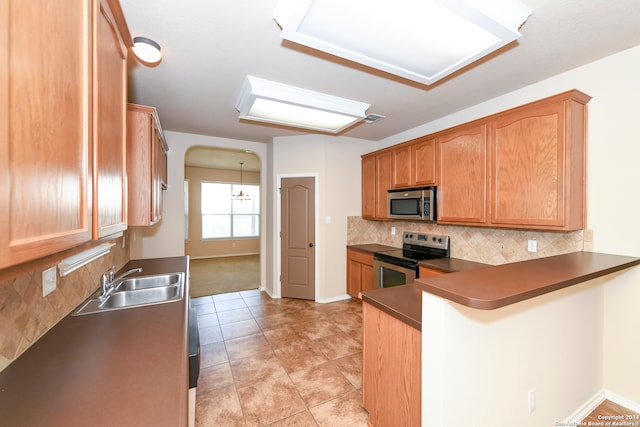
x=223, y=217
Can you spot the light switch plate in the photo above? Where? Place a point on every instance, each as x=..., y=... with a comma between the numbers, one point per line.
x=49, y=281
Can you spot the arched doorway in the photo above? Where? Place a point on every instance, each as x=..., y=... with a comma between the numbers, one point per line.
x=222, y=232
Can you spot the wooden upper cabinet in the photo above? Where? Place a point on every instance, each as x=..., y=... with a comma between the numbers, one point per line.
x=383, y=182
x=538, y=168
x=45, y=164
x=369, y=186
x=109, y=126
x=423, y=162
x=413, y=164
x=376, y=181
x=462, y=183
x=401, y=164
x=146, y=165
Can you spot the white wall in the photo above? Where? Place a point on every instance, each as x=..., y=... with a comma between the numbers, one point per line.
x=479, y=365
x=336, y=163
x=613, y=173
x=167, y=238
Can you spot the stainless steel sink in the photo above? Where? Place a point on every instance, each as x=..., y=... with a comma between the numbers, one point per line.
x=137, y=292
x=121, y=299
x=144, y=282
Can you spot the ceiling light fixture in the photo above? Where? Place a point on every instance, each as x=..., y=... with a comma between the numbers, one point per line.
x=270, y=102
x=421, y=40
x=147, y=50
x=241, y=196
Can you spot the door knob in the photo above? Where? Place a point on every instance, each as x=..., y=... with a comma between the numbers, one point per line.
x=310, y=245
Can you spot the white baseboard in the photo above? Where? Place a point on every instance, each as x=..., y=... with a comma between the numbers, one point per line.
x=622, y=401
x=585, y=409
x=334, y=299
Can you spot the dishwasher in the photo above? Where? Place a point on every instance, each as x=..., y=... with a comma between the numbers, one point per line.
x=194, y=362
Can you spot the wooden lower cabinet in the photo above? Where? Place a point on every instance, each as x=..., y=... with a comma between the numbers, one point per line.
x=359, y=272
x=391, y=369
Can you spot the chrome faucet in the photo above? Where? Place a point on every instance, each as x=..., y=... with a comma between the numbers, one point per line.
x=108, y=280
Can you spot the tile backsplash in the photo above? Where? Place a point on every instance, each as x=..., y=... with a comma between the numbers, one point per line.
x=487, y=245
x=25, y=315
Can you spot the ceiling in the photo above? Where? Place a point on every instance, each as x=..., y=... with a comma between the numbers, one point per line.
x=210, y=46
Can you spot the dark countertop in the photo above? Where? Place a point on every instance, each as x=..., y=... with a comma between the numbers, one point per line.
x=451, y=265
x=405, y=302
x=120, y=368
x=497, y=286
x=371, y=247
x=447, y=265
x=401, y=302
x=492, y=287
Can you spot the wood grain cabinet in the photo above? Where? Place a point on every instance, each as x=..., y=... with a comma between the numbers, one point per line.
x=463, y=167
x=47, y=91
x=376, y=181
x=538, y=170
x=359, y=272
x=109, y=126
x=414, y=163
x=391, y=369
x=522, y=168
x=146, y=165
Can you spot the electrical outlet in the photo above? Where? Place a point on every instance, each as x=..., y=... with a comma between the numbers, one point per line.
x=532, y=400
x=532, y=246
x=393, y=231
x=49, y=281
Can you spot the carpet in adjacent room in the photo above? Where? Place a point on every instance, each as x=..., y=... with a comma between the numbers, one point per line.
x=212, y=276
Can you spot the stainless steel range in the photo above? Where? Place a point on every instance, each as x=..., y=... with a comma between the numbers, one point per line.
x=400, y=266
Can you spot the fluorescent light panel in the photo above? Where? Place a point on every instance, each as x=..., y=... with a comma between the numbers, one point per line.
x=421, y=40
x=271, y=102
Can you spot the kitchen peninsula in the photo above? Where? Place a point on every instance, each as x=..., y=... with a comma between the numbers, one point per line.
x=489, y=336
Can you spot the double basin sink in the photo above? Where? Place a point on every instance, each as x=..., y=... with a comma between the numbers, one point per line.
x=136, y=292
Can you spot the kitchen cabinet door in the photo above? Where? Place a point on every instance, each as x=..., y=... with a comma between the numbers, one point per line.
x=359, y=272
x=538, y=167
x=462, y=169
x=383, y=183
x=391, y=369
x=423, y=159
x=414, y=164
x=369, y=187
x=146, y=152
x=401, y=173
x=109, y=126
x=45, y=164
x=376, y=181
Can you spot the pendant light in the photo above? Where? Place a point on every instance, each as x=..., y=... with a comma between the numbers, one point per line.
x=241, y=195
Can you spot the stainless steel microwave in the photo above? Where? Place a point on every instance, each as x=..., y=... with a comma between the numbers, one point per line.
x=412, y=203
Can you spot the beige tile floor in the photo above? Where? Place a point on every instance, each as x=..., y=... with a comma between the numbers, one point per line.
x=279, y=362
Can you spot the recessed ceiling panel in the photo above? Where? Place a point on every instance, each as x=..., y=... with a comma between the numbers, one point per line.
x=422, y=40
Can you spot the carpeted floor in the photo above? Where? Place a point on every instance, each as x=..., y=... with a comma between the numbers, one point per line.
x=212, y=276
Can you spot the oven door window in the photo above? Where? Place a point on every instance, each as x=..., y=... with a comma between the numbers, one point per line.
x=390, y=277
